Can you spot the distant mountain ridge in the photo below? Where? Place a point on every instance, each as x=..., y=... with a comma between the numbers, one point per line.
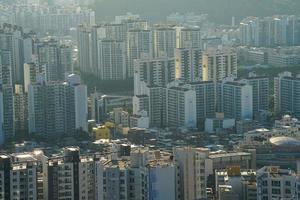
x=219, y=11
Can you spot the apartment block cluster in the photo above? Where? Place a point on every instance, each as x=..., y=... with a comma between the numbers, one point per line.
x=47, y=18
x=270, y=40
x=128, y=172
x=109, y=50
x=277, y=57
x=193, y=92
x=39, y=93
x=178, y=83
x=281, y=30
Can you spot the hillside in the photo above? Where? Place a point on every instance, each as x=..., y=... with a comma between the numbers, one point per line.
x=219, y=11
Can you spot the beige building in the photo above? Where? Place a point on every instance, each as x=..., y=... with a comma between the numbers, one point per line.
x=218, y=64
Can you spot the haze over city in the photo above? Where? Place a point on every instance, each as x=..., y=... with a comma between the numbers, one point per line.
x=149, y=100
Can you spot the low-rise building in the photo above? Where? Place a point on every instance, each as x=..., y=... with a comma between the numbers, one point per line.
x=245, y=160
x=213, y=125
x=140, y=120
x=235, y=182
x=276, y=183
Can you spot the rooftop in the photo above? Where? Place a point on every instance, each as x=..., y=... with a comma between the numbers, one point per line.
x=285, y=141
x=221, y=155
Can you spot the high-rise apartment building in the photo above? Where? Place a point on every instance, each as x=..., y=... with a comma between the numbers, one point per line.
x=119, y=30
x=287, y=98
x=154, y=103
x=188, y=38
x=153, y=72
x=248, y=31
x=188, y=64
x=280, y=30
x=157, y=105
x=181, y=107
x=55, y=57
x=164, y=42
x=205, y=101
x=218, y=64
x=97, y=32
x=139, y=46
x=21, y=110
x=235, y=99
x=32, y=73
x=66, y=58
x=19, y=44
x=56, y=20
x=177, y=104
x=260, y=87
x=7, y=130
x=84, y=42
x=112, y=59
x=57, y=108
x=94, y=40
x=22, y=52
x=7, y=112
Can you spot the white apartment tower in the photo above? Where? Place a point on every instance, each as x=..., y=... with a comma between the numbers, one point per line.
x=181, y=107
x=235, y=99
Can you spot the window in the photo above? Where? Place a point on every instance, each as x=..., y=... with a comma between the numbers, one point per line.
x=265, y=183
x=275, y=191
x=265, y=191
x=276, y=183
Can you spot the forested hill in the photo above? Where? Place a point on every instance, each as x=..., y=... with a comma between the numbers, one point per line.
x=219, y=11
